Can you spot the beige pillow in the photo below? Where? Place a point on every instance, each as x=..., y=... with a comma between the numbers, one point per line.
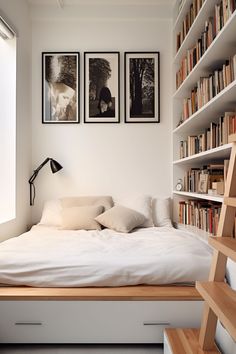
x=121, y=219
x=105, y=201
x=81, y=218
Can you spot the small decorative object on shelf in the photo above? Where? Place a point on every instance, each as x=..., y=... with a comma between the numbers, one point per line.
x=179, y=185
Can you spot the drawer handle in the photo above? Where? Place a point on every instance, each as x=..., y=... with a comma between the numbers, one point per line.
x=154, y=323
x=28, y=323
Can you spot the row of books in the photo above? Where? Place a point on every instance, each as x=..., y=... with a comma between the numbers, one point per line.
x=202, y=214
x=216, y=135
x=188, y=21
x=208, y=87
x=207, y=178
x=213, y=26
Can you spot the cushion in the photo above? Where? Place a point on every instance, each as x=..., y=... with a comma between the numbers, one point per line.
x=141, y=204
x=81, y=218
x=161, y=212
x=51, y=215
x=121, y=219
x=231, y=273
x=105, y=201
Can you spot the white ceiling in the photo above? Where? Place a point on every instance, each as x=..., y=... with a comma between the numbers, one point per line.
x=97, y=2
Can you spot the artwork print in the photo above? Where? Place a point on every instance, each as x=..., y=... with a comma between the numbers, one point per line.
x=142, y=87
x=101, y=87
x=60, y=83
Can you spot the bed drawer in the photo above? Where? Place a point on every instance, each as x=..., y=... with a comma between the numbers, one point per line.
x=94, y=321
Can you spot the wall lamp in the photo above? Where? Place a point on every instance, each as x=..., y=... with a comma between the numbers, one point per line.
x=55, y=167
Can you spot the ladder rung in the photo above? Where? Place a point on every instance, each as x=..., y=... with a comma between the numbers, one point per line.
x=230, y=201
x=222, y=300
x=185, y=341
x=226, y=245
x=232, y=138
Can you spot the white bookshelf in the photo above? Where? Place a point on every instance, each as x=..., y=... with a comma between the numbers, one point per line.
x=223, y=102
x=196, y=28
x=219, y=50
x=219, y=153
x=223, y=46
x=212, y=198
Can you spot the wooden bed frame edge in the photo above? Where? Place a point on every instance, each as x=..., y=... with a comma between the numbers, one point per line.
x=126, y=293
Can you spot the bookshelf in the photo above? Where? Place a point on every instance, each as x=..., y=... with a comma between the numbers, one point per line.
x=217, y=52
x=222, y=47
x=212, y=198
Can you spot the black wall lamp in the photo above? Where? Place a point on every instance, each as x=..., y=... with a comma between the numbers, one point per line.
x=55, y=167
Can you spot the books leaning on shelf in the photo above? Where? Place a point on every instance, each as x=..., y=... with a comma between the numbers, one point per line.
x=216, y=135
x=208, y=87
x=208, y=179
x=213, y=26
x=202, y=214
x=188, y=21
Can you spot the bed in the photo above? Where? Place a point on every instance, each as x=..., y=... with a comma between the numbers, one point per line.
x=100, y=286
x=62, y=295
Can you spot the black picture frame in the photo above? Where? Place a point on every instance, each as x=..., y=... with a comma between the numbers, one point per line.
x=142, y=87
x=102, y=87
x=60, y=87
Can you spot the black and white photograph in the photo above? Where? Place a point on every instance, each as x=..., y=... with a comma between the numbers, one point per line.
x=101, y=87
x=60, y=83
x=142, y=87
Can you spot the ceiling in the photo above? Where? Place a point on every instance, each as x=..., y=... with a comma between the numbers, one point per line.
x=97, y=2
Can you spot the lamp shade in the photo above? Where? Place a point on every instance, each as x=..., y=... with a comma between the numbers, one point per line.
x=55, y=166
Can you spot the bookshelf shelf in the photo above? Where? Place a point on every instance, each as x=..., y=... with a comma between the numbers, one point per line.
x=181, y=15
x=221, y=48
x=224, y=101
x=196, y=28
x=213, y=198
x=219, y=153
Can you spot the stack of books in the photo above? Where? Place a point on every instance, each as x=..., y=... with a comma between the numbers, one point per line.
x=211, y=177
x=188, y=21
x=216, y=135
x=202, y=214
x=213, y=26
x=208, y=87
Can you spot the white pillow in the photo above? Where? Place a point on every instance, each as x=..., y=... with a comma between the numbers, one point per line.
x=120, y=218
x=51, y=215
x=142, y=204
x=161, y=212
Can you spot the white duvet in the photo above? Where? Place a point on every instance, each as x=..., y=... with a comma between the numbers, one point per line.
x=47, y=257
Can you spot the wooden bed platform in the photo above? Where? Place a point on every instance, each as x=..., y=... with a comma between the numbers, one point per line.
x=128, y=293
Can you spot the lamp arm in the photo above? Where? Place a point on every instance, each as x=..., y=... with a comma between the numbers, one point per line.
x=34, y=175
x=42, y=164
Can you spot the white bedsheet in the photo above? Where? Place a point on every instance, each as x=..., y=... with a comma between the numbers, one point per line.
x=48, y=257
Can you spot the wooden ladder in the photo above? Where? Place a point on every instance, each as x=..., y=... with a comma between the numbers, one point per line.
x=220, y=299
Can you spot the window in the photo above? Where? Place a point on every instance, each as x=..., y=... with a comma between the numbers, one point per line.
x=7, y=123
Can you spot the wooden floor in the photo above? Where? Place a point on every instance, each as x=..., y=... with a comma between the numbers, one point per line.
x=82, y=349
x=126, y=293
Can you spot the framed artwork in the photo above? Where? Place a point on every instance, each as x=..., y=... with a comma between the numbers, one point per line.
x=142, y=87
x=60, y=87
x=101, y=87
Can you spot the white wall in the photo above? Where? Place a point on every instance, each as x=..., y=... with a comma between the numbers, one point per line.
x=17, y=13
x=102, y=158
